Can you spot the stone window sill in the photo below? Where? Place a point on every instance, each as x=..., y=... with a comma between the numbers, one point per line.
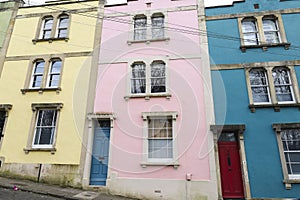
x=148, y=96
x=129, y=42
x=50, y=40
x=175, y=164
x=288, y=183
x=40, y=90
x=286, y=46
x=276, y=107
x=51, y=150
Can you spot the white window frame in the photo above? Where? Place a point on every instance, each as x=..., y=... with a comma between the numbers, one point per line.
x=277, y=31
x=159, y=161
x=288, y=178
x=53, y=134
x=149, y=27
x=58, y=28
x=50, y=73
x=267, y=86
x=290, y=86
x=140, y=29
x=253, y=20
x=33, y=74
x=148, y=63
x=43, y=27
x=268, y=67
x=158, y=15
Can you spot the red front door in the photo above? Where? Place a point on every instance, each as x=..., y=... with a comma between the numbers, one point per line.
x=230, y=168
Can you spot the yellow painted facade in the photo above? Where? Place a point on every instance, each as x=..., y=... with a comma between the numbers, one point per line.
x=76, y=53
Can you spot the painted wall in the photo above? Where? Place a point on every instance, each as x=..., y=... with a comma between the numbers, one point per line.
x=185, y=82
x=231, y=96
x=77, y=57
x=5, y=16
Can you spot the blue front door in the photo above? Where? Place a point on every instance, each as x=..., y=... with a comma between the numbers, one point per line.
x=100, y=156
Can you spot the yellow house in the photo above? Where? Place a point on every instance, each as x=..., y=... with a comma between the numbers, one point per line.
x=47, y=87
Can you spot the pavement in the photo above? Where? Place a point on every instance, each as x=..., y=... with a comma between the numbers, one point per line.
x=56, y=191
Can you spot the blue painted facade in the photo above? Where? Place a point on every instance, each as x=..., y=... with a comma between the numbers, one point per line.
x=230, y=91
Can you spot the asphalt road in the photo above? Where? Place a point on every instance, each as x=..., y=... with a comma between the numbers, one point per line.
x=10, y=194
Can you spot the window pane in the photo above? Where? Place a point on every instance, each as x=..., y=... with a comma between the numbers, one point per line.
x=39, y=67
x=45, y=127
x=2, y=122
x=48, y=24
x=47, y=34
x=158, y=79
x=138, y=80
x=54, y=80
x=259, y=85
x=291, y=144
x=45, y=136
x=157, y=27
x=227, y=137
x=63, y=23
x=249, y=32
x=160, y=149
x=283, y=85
x=56, y=65
x=140, y=28
x=271, y=31
x=62, y=33
x=37, y=81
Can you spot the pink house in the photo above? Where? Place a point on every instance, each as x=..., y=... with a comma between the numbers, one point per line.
x=149, y=133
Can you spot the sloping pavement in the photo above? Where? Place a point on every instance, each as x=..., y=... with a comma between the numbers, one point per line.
x=56, y=191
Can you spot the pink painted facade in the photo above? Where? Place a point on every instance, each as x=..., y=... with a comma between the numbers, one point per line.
x=181, y=51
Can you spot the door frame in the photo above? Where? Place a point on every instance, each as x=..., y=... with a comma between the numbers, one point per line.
x=238, y=129
x=92, y=120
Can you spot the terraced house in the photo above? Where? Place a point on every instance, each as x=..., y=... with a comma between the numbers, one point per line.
x=254, y=50
x=45, y=84
x=149, y=132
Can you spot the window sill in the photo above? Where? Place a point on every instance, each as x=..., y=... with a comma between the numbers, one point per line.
x=40, y=90
x=52, y=150
x=148, y=41
x=175, y=164
x=288, y=183
x=286, y=46
x=276, y=107
x=50, y=40
x=148, y=96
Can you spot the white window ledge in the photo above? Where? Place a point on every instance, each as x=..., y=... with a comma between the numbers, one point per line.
x=148, y=96
x=129, y=42
x=175, y=164
x=50, y=149
x=276, y=107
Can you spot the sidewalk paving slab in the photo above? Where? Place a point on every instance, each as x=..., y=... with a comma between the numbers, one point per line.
x=56, y=191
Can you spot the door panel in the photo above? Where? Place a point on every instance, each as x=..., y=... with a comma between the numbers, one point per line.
x=230, y=168
x=100, y=155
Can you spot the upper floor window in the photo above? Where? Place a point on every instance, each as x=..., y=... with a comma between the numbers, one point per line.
x=259, y=86
x=149, y=27
x=250, y=33
x=157, y=22
x=47, y=28
x=140, y=27
x=149, y=79
x=272, y=85
x=62, y=29
x=54, y=26
x=288, y=138
x=44, y=74
x=262, y=31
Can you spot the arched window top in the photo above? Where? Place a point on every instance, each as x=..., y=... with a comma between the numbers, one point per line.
x=63, y=15
x=38, y=60
x=269, y=17
x=249, y=25
x=140, y=16
x=258, y=76
x=137, y=63
x=158, y=62
x=161, y=15
x=55, y=59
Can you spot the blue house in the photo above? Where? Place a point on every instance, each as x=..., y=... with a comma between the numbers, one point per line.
x=254, y=48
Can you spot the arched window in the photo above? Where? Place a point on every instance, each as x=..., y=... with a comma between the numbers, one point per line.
x=259, y=85
x=158, y=77
x=250, y=33
x=138, y=78
x=157, y=21
x=271, y=30
x=140, y=27
x=37, y=74
x=62, y=27
x=46, y=27
x=54, y=73
x=283, y=84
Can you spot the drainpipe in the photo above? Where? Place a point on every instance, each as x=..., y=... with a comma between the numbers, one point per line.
x=39, y=174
